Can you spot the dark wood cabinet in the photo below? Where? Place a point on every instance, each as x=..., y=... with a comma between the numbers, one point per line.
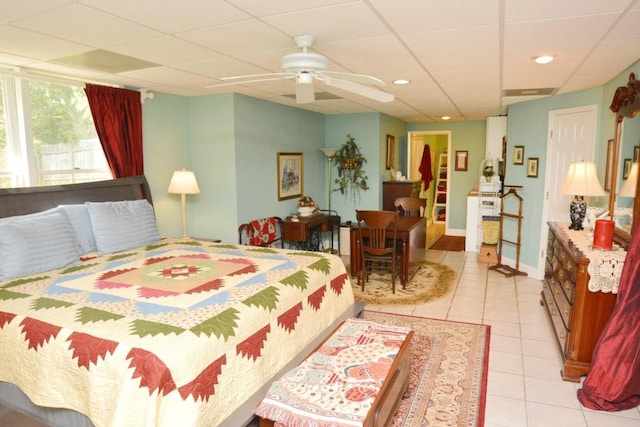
x=394, y=189
x=577, y=314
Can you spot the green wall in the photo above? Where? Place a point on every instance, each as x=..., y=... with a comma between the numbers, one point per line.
x=470, y=136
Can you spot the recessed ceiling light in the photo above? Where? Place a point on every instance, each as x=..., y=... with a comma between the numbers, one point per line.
x=445, y=117
x=543, y=59
x=401, y=82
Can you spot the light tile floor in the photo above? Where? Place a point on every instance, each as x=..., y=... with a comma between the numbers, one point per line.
x=524, y=385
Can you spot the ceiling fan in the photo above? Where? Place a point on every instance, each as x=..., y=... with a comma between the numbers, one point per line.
x=306, y=67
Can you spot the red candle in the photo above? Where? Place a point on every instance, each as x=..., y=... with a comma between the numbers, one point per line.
x=603, y=234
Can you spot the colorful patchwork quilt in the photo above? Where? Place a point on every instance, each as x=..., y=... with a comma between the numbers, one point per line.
x=177, y=333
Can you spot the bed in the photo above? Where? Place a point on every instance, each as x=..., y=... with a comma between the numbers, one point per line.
x=167, y=332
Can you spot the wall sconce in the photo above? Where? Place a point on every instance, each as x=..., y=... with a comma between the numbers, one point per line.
x=183, y=182
x=581, y=180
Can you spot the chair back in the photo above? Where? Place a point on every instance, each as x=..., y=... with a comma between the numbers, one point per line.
x=381, y=231
x=264, y=232
x=410, y=206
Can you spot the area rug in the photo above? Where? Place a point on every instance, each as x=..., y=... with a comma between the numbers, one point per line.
x=449, y=364
x=449, y=243
x=431, y=281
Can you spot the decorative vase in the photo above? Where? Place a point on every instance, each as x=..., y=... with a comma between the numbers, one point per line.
x=577, y=212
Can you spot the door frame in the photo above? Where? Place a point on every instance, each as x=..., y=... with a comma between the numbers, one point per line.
x=593, y=109
x=409, y=176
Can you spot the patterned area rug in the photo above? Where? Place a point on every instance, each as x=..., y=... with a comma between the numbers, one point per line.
x=449, y=243
x=431, y=281
x=449, y=364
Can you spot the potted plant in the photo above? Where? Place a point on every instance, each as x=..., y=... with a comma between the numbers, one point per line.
x=351, y=177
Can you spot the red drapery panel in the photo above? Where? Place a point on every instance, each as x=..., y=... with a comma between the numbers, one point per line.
x=117, y=114
x=613, y=382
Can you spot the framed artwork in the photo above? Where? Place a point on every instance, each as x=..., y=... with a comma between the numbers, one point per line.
x=626, y=168
x=391, y=150
x=636, y=153
x=532, y=167
x=290, y=175
x=518, y=155
x=608, y=172
x=462, y=160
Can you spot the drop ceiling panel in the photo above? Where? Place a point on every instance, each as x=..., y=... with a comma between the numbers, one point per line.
x=38, y=46
x=92, y=27
x=239, y=38
x=172, y=16
x=542, y=10
x=342, y=22
x=166, y=50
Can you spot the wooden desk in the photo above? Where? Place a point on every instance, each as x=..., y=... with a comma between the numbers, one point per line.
x=412, y=231
x=301, y=231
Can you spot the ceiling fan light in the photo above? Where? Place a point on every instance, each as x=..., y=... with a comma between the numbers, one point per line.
x=401, y=82
x=305, y=79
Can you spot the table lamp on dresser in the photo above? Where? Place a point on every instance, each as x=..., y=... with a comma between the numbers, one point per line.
x=581, y=180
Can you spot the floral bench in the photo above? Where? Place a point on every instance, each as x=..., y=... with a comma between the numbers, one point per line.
x=356, y=377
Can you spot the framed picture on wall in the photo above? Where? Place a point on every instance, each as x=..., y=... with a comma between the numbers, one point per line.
x=290, y=175
x=462, y=160
x=391, y=151
x=626, y=168
x=532, y=167
x=518, y=155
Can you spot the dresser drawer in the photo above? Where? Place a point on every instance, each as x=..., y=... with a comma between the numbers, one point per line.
x=562, y=303
x=554, y=314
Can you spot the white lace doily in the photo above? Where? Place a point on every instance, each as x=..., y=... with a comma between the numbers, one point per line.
x=605, y=267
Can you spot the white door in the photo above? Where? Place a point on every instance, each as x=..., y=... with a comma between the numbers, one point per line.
x=572, y=138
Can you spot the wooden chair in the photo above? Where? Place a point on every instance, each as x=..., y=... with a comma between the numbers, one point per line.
x=265, y=232
x=377, y=232
x=410, y=206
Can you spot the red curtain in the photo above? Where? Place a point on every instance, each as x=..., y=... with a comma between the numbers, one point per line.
x=117, y=114
x=613, y=382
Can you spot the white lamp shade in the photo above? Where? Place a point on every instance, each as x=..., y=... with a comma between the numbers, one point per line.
x=329, y=152
x=183, y=182
x=582, y=180
x=629, y=187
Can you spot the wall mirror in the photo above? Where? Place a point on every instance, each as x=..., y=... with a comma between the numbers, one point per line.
x=626, y=105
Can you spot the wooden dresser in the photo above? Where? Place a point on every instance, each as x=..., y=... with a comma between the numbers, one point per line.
x=577, y=314
x=394, y=189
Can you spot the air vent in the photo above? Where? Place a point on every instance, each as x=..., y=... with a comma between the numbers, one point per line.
x=530, y=92
x=320, y=96
x=103, y=60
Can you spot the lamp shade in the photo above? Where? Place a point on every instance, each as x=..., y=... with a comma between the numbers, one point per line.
x=183, y=182
x=629, y=187
x=329, y=152
x=582, y=179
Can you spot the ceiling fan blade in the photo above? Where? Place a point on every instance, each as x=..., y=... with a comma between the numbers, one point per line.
x=358, y=89
x=360, y=78
x=305, y=93
x=275, y=76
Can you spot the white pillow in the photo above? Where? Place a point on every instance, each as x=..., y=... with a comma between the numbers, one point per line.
x=32, y=244
x=78, y=216
x=118, y=226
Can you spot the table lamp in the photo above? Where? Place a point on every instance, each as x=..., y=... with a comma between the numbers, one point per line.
x=581, y=180
x=629, y=187
x=329, y=152
x=183, y=182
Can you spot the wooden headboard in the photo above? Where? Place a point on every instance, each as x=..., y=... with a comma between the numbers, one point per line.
x=21, y=201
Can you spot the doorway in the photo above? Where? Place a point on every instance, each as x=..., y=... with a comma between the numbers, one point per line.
x=439, y=142
x=572, y=138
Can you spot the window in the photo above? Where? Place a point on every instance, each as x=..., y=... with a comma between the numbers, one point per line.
x=47, y=135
